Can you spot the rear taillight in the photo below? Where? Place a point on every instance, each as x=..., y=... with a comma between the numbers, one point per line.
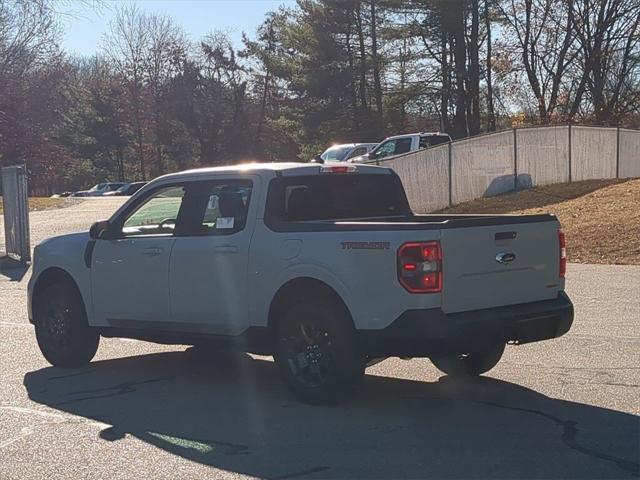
x=420, y=267
x=563, y=254
x=338, y=169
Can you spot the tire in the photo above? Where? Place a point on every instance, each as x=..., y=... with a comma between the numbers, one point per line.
x=64, y=336
x=471, y=364
x=316, y=352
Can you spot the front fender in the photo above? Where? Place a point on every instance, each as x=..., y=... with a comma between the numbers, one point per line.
x=65, y=253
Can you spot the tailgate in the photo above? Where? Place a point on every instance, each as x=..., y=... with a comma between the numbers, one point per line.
x=498, y=265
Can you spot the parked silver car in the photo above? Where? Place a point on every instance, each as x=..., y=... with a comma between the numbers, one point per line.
x=99, y=189
x=344, y=152
x=125, y=190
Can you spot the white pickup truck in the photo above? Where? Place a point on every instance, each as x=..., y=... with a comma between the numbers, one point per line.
x=401, y=144
x=324, y=267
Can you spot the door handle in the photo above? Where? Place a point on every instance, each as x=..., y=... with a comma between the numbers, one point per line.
x=225, y=249
x=152, y=251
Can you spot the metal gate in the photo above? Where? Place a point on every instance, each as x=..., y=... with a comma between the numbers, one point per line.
x=16, y=212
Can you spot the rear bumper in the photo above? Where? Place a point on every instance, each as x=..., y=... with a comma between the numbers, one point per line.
x=431, y=332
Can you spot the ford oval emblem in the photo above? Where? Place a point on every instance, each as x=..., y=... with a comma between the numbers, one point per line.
x=504, y=257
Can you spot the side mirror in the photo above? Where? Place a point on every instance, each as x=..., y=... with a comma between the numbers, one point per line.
x=99, y=230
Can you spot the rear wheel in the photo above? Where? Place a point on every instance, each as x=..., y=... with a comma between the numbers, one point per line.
x=64, y=336
x=316, y=351
x=470, y=364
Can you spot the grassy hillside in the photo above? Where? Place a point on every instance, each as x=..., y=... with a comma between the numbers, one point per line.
x=41, y=203
x=600, y=217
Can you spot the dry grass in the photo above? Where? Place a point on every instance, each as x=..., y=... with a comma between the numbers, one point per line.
x=41, y=203
x=600, y=217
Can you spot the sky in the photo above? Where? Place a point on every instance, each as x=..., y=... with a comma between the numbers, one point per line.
x=84, y=27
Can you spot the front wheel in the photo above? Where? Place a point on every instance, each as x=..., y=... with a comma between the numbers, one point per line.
x=470, y=364
x=316, y=352
x=63, y=334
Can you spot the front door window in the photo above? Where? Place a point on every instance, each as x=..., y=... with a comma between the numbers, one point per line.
x=156, y=216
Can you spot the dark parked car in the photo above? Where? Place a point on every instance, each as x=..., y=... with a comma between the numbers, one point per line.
x=127, y=189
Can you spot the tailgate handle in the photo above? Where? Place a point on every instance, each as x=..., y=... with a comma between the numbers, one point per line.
x=505, y=235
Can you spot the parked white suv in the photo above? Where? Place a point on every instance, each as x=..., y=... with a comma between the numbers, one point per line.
x=324, y=267
x=401, y=144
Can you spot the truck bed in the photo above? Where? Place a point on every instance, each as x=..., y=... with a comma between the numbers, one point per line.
x=474, y=247
x=410, y=222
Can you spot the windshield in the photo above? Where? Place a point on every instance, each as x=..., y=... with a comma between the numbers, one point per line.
x=99, y=186
x=336, y=154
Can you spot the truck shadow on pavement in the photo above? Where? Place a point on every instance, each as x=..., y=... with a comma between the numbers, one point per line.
x=233, y=413
x=14, y=270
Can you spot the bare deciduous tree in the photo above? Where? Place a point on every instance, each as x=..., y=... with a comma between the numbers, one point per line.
x=543, y=34
x=127, y=45
x=608, y=34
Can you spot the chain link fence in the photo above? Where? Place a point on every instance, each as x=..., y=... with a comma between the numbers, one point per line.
x=501, y=162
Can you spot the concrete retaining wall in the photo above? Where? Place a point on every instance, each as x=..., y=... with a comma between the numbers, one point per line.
x=492, y=164
x=543, y=156
x=629, y=153
x=482, y=166
x=425, y=175
x=593, y=153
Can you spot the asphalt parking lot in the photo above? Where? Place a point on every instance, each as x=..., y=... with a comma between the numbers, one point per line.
x=566, y=408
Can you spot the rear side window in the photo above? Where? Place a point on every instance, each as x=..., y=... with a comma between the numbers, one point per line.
x=336, y=197
x=358, y=151
x=433, y=140
x=403, y=145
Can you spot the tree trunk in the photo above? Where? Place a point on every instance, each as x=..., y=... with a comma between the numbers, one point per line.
x=120, y=163
x=445, y=97
x=403, y=82
x=562, y=60
x=376, y=65
x=460, y=127
x=265, y=92
x=352, y=85
x=363, y=59
x=474, y=70
x=159, y=166
x=577, y=99
x=139, y=135
x=528, y=58
x=491, y=120
x=263, y=109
